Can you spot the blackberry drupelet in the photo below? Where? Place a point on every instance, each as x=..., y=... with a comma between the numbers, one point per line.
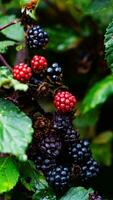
x=61, y=121
x=79, y=151
x=50, y=145
x=89, y=170
x=95, y=196
x=36, y=37
x=42, y=163
x=59, y=178
x=70, y=135
x=54, y=73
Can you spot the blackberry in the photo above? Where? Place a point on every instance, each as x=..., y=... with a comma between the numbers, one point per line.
x=61, y=121
x=59, y=178
x=79, y=151
x=89, y=170
x=70, y=135
x=95, y=196
x=54, y=73
x=42, y=163
x=37, y=37
x=50, y=145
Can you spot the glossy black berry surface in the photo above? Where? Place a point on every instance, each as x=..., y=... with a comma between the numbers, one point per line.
x=37, y=37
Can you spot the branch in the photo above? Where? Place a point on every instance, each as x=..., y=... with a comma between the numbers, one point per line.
x=10, y=24
x=2, y=59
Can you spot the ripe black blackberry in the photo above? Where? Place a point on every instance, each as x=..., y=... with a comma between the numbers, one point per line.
x=59, y=178
x=79, y=151
x=95, y=196
x=61, y=121
x=54, y=73
x=50, y=145
x=89, y=170
x=70, y=135
x=42, y=163
x=36, y=37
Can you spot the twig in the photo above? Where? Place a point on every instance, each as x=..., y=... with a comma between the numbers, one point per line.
x=10, y=24
x=2, y=59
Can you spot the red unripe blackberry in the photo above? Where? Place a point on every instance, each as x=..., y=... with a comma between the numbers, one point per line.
x=22, y=72
x=64, y=101
x=38, y=63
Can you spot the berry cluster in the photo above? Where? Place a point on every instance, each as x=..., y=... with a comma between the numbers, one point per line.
x=95, y=196
x=61, y=148
x=56, y=149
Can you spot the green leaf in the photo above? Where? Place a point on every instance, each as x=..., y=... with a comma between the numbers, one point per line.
x=14, y=32
x=102, y=148
x=44, y=195
x=31, y=178
x=7, y=81
x=8, y=174
x=5, y=44
x=98, y=6
x=108, y=42
x=78, y=193
x=60, y=42
x=98, y=94
x=15, y=130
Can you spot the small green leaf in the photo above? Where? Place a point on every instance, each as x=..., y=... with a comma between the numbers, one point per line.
x=15, y=130
x=5, y=44
x=14, y=32
x=8, y=174
x=98, y=94
x=78, y=193
x=44, y=195
x=7, y=81
x=108, y=42
x=31, y=178
x=101, y=148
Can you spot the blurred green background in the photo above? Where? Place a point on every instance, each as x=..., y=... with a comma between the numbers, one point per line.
x=76, y=31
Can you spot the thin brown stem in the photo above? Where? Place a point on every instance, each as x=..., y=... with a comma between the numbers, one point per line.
x=2, y=59
x=10, y=24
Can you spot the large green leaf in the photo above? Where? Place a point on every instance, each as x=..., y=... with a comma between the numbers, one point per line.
x=109, y=45
x=15, y=130
x=7, y=81
x=102, y=148
x=14, y=32
x=98, y=94
x=77, y=193
x=5, y=44
x=8, y=174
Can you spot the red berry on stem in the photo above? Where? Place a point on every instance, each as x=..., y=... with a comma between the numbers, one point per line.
x=64, y=101
x=22, y=72
x=39, y=63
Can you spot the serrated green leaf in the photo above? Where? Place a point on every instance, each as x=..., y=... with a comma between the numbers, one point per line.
x=98, y=94
x=7, y=81
x=5, y=44
x=8, y=174
x=60, y=42
x=108, y=42
x=101, y=148
x=78, y=193
x=31, y=178
x=14, y=32
x=15, y=130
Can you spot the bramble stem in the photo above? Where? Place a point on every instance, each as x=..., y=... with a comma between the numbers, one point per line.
x=2, y=59
x=10, y=24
